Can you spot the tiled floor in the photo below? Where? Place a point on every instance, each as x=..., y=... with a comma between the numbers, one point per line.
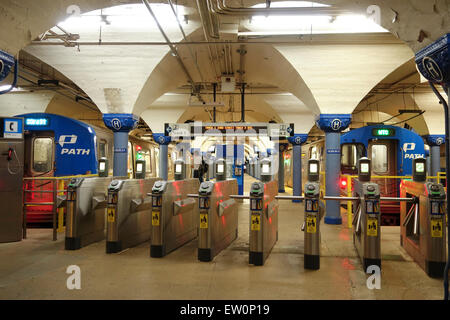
x=36, y=268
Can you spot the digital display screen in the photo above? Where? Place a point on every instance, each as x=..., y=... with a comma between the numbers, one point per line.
x=265, y=168
x=42, y=122
x=420, y=167
x=178, y=168
x=220, y=168
x=383, y=132
x=313, y=168
x=102, y=166
x=139, y=167
x=364, y=168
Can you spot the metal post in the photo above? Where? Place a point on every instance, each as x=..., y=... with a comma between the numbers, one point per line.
x=24, y=212
x=280, y=169
x=214, y=95
x=349, y=203
x=55, y=192
x=61, y=210
x=243, y=103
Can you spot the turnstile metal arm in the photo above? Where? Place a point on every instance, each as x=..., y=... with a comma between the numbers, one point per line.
x=182, y=206
x=141, y=204
x=99, y=202
x=237, y=196
x=190, y=195
x=289, y=198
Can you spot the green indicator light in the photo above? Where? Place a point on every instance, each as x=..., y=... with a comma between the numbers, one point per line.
x=382, y=132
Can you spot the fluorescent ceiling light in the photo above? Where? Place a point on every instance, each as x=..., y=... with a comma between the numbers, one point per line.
x=125, y=16
x=291, y=4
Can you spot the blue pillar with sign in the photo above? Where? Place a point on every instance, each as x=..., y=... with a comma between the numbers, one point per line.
x=238, y=167
x=297, y=140
x=121, y=124
x=281, y=148
x=163, y=141
x=333, y=124
x=435, y=141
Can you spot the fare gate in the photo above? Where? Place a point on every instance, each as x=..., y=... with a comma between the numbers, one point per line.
x=366, y=222
x=86, y=203
x=423, y=232
x=218, y=216
x=174, y=215
x=128, y=219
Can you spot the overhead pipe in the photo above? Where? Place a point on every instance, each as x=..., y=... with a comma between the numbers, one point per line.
x=185, y=39
x=206, y=32
x=220, y=7
x=172, y=48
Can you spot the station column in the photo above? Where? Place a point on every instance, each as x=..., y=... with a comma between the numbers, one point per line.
x=333, y=124
x=297, y=140
x=281, y=148
x=121, y=124
x=435, y=142
x=163, y=142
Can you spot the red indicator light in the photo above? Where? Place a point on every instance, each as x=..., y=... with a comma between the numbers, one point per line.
x=138, y=148
x=343, y=183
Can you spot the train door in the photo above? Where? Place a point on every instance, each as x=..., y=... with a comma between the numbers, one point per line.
x=39, y=162
x=383, y=154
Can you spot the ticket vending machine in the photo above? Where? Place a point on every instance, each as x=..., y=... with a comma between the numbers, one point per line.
x=11, y=178
x=422, y=222
x=366, y=222
x=313, y=216
x=218, y=215
x=263, y=217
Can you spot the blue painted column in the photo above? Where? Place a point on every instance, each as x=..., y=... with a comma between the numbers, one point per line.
x=435, y=141
x=163, y=142
x=121, y=124
x=297, y=140
x=281, y=148
x=333, y=124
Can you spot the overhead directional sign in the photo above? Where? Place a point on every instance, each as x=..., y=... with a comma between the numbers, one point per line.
x=229, y=129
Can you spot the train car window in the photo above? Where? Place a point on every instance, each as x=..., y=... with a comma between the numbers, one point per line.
x=42, y=155
x=379, y=158
x=102, y=148
x=314, y=153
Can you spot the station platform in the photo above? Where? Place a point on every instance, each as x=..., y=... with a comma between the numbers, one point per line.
x=38, y=270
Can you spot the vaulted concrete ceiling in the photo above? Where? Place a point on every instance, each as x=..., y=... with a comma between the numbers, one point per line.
x=314, y=76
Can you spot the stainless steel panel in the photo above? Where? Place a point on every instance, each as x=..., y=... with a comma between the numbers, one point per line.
x=85, y=217
x=424, y=248
x=130, y=227
x=221, y=230
x=11, y=179
x=264, y=239
x=178, y=216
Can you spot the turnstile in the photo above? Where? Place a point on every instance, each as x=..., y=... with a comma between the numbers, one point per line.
x=86, y=211
x=263, y=221
x=366, y=222
x=128, y=219
x=423, y=226
x=174, y=215
x=314, y=211
x=218, y=217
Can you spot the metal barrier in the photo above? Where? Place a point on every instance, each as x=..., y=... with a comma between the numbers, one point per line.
x=58, y=190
